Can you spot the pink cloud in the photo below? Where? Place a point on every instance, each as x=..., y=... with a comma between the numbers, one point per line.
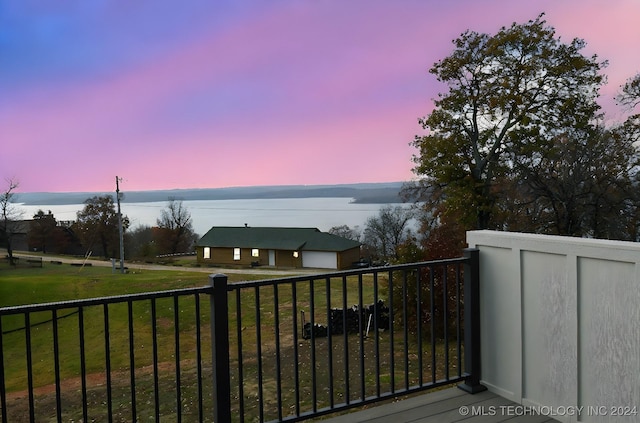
x=297, y=94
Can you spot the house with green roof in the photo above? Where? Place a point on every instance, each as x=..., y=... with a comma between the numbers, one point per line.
x=277, y=247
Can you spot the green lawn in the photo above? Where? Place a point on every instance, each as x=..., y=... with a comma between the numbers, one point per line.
x=53, y=283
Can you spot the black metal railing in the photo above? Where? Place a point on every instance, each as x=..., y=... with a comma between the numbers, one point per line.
x=284, y=349
x=126, y=358
x=314, y=345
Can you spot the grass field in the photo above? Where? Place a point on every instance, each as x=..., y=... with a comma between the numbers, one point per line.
x=62, y=282
x=53, y=283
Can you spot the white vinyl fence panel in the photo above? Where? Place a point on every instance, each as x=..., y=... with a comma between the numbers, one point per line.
x=560, y=323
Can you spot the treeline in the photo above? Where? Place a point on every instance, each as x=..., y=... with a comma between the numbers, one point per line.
x=96, y=232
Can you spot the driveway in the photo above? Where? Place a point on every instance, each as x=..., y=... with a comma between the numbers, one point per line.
x=145, y=266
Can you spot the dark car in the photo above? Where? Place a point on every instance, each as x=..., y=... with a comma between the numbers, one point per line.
x=361, y=264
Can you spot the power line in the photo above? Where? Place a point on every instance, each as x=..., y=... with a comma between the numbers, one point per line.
x=120, y=230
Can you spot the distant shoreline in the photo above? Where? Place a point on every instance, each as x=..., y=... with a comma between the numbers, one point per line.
x=366, y=193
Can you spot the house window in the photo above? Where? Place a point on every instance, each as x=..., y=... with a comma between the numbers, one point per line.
x=255, y=252
x=236, y=253
x=295, y=254
x=206, y=253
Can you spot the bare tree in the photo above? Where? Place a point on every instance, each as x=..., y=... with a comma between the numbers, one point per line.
x=11, y=223
x=345, y=231
x=176, y=228
x=387, y=231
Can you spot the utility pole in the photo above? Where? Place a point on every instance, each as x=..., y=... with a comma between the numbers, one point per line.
x=120, y=226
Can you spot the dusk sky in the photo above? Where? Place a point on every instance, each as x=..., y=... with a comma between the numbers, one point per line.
x=207, y=94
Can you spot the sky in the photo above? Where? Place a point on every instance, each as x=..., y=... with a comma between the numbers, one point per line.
x=208, y=94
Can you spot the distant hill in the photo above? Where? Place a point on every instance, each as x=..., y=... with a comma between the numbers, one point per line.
x=369, y=193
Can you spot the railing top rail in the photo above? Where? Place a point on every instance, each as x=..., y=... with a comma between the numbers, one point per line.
x=345, y=273
x=58, y=305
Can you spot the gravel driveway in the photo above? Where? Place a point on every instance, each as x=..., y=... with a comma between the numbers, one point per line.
x=145, y=266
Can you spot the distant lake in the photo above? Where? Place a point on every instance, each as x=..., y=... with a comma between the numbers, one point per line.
x=321, y=213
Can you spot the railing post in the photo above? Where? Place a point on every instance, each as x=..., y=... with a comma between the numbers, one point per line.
x=472, y=361
x=220, y=349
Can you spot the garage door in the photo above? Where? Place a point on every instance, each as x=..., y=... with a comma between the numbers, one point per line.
x=320, y=259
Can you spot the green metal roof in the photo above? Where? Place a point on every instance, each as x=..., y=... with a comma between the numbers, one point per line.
x=292, y=239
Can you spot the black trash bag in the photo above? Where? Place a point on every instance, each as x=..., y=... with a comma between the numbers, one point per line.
x=319, y=331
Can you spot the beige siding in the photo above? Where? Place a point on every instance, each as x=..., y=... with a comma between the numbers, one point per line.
x=224, y=256
x=284, y=258
x=347, y=258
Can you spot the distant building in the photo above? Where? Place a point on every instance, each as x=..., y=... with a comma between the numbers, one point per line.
x=277, y=247
x=27, y=236
x=17, y=230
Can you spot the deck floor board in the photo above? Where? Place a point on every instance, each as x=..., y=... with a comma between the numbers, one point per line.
x=442, y=407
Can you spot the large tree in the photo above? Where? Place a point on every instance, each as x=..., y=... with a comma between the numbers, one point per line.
x=42, y=232
x=522, y=83
x=97, y=225
x=176, y=229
